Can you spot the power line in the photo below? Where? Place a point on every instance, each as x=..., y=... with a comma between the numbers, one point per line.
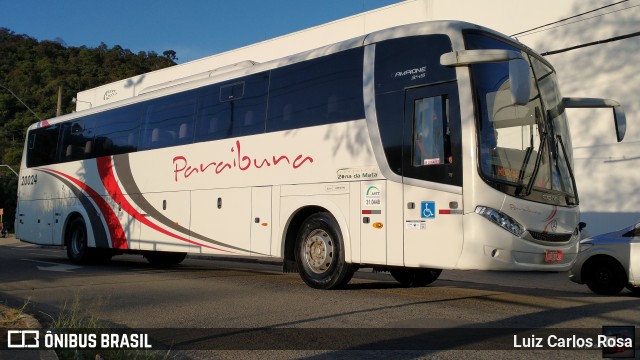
x=22, y=102
x=577, y=21
x=616, y=38
x=569, y=18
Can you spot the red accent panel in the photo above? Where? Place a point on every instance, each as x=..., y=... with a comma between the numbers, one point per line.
x=118, y=238
x=105, y=169
x=366, y=212
x=445, y=212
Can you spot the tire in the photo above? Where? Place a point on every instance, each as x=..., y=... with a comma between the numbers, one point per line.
x=165, y=258
x=320, y=255
x=605, y=276
x=411, y=277
x=76, y=241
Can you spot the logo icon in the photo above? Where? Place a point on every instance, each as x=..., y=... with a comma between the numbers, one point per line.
x=20, y=339
x=428, y=210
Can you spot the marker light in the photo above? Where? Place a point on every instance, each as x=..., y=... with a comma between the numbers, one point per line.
x=503, y=220
x=377, y=225
x=584, y=246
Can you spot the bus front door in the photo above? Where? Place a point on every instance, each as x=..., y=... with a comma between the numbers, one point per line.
x=431, y=177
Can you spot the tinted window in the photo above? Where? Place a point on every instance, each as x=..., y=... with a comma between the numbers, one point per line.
x=315, y=92
x=431, y=134
x=411, y=61
x=235, y=108
x=432, y=146
x=117, y=131
x=400, y=64
x=169, y=120
x=41, y=146
x=389, y=108
x=76, y=141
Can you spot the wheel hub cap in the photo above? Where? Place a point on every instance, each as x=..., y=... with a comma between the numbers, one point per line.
x=318, y=251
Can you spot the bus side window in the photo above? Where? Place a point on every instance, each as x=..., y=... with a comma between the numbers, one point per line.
x=42, y=145
x=232, y=109
x=324, y=90
x=74, y=139
x=431, y=139
x=166, y=116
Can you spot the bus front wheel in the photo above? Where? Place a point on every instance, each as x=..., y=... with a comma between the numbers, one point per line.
x=415, y=277
x=320, y=255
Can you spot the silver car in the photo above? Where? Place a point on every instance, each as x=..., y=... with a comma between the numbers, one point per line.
x=609, y=262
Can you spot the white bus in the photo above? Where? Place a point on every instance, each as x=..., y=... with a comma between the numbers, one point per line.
x=439, y=145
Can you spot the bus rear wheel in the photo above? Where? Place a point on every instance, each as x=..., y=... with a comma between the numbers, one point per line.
x=76, y=241
x=415, y=277
x=320, y=255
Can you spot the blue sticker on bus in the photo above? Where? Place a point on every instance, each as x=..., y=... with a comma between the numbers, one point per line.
x=428, y=210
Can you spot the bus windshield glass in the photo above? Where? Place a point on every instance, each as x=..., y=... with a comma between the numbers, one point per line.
x=524, y=150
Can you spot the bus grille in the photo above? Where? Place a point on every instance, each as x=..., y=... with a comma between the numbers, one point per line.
x=550, y=237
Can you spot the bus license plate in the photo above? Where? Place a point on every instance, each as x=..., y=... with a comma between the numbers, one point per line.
x=552, y=256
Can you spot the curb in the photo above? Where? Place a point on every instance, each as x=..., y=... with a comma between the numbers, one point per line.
x=29, y=354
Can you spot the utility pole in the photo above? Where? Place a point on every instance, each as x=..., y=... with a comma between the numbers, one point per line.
x=59, y=107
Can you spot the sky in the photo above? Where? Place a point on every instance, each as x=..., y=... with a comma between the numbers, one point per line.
x=192, y=28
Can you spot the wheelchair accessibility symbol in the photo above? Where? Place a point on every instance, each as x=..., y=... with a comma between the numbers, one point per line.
x=428, y=209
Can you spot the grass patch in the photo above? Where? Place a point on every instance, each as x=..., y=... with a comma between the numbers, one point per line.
x=78, y=317
x=11, y=318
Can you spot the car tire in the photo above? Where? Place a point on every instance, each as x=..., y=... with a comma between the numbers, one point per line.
x=320, y=253
x=415, y=277
x=605, y=276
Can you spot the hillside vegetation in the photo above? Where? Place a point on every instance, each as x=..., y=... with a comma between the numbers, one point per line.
x=34, y=70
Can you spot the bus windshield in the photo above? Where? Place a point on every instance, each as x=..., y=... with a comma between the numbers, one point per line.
x=524, y=150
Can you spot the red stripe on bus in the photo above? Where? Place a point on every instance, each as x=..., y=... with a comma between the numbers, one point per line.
x=118, y=238
x=105, y=169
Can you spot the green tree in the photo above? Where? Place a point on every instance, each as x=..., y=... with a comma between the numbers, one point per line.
x=34, y=70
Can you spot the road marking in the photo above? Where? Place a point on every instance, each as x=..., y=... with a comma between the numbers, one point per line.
x=55, y=266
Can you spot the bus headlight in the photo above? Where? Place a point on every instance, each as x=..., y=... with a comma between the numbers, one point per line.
x=503, y=220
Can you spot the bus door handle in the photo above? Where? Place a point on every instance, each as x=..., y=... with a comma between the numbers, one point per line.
x=219, y=203
x=411, y=205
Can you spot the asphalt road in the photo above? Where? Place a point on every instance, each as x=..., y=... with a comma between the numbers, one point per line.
x=191, y=304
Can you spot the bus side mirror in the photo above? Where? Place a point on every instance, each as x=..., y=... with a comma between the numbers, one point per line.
x=518, y=68
x=619, y=117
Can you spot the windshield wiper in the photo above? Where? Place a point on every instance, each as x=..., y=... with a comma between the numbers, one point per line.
x=568, y=164
x=543, y=135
